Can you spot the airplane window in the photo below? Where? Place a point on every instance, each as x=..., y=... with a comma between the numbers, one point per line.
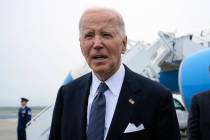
x=178, y=105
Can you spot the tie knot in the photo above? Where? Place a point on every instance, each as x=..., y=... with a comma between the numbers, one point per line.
x=102, y=87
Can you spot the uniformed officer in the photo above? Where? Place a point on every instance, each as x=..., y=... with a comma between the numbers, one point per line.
x=24, y=116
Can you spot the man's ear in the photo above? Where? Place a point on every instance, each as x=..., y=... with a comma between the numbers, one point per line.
x=81, y=47
x=124, y=47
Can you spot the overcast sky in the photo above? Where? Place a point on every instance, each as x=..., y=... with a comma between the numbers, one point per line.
x=39, y=38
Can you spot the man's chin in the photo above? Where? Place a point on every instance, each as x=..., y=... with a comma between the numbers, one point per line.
x=101, y=72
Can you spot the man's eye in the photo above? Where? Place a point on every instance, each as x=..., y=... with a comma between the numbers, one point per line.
x=89, y=35
x=108, y=35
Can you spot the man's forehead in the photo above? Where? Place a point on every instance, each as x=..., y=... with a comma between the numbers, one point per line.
x=105, y=26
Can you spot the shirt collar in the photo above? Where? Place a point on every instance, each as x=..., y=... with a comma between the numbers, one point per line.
x=114, y=82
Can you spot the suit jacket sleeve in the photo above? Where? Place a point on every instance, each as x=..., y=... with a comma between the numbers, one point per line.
x=167, y=127
x=193, y=120
x=55, y=131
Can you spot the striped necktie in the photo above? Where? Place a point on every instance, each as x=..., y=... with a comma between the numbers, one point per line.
x=97, y=115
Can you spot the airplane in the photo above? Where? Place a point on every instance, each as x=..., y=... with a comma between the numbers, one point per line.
x=194, y=75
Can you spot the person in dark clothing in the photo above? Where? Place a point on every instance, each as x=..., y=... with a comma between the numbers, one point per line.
x=24, y=116
x=199, y=117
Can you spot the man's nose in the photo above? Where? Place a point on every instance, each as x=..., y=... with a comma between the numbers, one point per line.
x=97, y=42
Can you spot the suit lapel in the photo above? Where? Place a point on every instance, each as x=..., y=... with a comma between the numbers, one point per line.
x=83, y=94
x=124, y=108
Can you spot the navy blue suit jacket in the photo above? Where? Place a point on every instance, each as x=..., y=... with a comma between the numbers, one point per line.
x=153, y=108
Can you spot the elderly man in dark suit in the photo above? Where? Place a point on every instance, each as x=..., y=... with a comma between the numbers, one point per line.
x=112, y=102
x=199, y=117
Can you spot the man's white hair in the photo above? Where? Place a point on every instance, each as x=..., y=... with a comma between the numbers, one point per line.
x=118, y=16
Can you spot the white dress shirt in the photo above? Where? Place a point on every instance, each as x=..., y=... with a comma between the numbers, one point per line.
x=112, y=94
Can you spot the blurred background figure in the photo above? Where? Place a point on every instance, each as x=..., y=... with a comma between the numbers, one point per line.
x=24, y=116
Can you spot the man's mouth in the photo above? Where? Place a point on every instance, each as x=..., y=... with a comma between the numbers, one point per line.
x=99, y=57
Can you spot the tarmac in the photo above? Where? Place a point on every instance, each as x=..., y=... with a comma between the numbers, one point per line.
x=8, y=130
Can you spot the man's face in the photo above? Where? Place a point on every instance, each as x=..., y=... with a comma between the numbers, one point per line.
x=23, y=103
x=101, y=43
